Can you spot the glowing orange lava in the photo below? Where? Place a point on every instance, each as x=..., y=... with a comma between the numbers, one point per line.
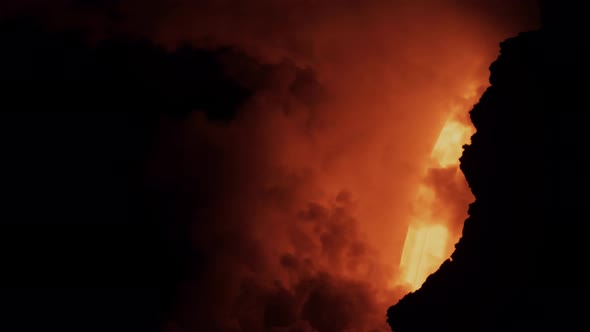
x=428, y=241
x=424, y=248
x=447, y=149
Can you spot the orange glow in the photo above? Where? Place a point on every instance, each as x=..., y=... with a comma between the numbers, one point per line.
x=424, y=249
x=447, y=149
x=427, y=241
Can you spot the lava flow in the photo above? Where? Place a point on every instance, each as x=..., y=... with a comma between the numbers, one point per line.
x=429, y=238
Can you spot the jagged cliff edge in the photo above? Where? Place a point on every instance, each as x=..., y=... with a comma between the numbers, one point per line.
x=493, y=270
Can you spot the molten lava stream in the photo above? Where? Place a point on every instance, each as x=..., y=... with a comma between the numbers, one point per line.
x=428, y=239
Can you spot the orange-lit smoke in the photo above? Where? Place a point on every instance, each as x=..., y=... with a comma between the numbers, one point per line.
x=310, y=200
x=300, y=206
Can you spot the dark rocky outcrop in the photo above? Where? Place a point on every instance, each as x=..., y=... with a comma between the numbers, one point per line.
x=518, y=265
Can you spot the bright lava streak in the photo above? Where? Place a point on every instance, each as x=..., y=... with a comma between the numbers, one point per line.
x=447, y=150
x=427, y=239
x=424, y=249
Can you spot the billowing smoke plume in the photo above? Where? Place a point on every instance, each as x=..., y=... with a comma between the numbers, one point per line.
x=281, y=241
x=296, y=209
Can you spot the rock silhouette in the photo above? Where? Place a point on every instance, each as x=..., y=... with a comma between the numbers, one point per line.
x=517, y=265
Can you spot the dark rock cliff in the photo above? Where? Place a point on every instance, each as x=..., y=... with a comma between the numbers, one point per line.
x=518, y=265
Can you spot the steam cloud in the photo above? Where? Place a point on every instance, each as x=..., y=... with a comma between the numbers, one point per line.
x=296, y=209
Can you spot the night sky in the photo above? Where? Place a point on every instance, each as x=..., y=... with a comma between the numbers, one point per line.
x=231, y=166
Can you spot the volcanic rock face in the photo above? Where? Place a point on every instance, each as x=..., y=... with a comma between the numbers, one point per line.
x=517, y=266
x=494, y=262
